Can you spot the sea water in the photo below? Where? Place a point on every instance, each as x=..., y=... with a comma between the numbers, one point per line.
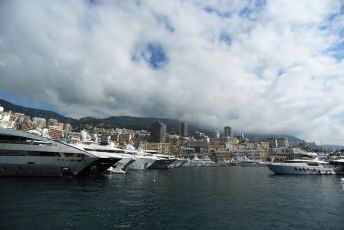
x=182, y=198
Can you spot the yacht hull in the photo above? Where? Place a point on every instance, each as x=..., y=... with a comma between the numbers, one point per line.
x=42, y=166
x=178, y=163
x=142, y=163
x=98, y=167
x=121, y=166
x=162, y=163
x=200, y=163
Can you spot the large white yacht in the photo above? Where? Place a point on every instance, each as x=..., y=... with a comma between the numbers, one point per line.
x=25, y=154
x=109, y=151
x=163, y=162
x=148, y=160
x=302, y=166
x=142, y=161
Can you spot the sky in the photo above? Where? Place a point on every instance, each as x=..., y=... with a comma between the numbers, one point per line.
x=267, y=67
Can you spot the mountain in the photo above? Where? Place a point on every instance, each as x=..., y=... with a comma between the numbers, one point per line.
x=34, y=112
x=128, y=122
x=135, y=123
x=293, y=141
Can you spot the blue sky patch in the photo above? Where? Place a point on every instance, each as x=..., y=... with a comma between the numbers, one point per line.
x=157, y=55
x=338, y=117
x=212, y=10
x=280, y=72
x=166, y=22
x=226, y=38
x=248, y=12
x=94, y=2
x=337, y=51
x=153, y=54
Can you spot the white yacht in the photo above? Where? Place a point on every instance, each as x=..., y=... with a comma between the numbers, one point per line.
x=197, y=162
x=25, y=154
x=163, y=162
x=148, y=160
x=109, y=151
x=302, y=166
x=142, y=160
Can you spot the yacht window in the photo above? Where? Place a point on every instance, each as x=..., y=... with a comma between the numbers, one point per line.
x=72, y=155
x=87, y=149
x=104, y=150
x=13, y=153
x=9, y=139
x=42, y=154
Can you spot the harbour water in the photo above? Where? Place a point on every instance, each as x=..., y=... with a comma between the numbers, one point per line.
x=183, y=198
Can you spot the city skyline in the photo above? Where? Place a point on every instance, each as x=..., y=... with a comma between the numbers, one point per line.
x=258, y=66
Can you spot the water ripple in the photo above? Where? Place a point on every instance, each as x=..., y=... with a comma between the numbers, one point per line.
x=196, y=198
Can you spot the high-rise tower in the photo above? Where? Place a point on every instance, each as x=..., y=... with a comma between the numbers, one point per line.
x=183, y=131
x=228, y=131
x=158, y=132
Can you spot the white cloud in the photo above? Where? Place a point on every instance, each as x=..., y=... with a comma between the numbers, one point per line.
x=258, y=66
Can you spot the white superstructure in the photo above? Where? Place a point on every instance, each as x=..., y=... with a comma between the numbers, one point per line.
x=197, y=162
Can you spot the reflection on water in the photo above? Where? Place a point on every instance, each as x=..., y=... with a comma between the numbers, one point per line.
x=197, y=198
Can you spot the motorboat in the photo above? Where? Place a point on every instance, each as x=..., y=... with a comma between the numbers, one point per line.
x=302, y=167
